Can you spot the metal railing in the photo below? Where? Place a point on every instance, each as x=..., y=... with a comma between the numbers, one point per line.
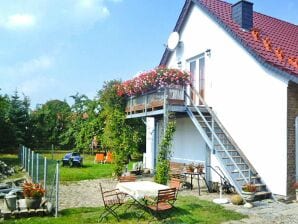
x=155, y=99
x=44, y=171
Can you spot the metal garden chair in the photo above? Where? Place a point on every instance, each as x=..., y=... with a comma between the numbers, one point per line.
x=112, y=200
x=164, y=202
x=131, y=178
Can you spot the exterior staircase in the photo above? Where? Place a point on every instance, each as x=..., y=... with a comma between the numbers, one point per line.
x=236, y=166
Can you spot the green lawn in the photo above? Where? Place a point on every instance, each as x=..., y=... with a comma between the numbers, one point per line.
x=87, y=172
x=188, y=210
x=12, y=161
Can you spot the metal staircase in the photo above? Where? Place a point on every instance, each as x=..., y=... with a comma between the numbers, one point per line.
x=234, y=163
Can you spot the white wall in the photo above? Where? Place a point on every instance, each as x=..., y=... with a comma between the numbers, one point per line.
x=249, y=99
x=150, y=142
x=188, y=145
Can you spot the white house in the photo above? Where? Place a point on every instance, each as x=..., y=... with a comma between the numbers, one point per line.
x=244, y=65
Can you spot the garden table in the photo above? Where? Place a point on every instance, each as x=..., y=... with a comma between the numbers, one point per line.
x=139, y=189
x=198, y=174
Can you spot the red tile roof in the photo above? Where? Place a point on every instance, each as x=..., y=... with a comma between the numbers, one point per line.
x=272, y=41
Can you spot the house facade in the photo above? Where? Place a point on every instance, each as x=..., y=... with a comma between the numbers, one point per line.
x=244, y=66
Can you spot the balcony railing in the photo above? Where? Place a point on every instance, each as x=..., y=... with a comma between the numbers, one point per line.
x=155, y=100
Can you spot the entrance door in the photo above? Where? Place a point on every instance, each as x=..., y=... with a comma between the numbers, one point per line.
x=197, y=71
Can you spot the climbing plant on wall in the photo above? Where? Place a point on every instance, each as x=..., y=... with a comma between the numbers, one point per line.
x=164, y=154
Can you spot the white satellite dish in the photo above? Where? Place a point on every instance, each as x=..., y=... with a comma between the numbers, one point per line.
x=173, y=41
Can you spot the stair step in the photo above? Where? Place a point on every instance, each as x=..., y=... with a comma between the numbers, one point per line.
x=237, y=171
x=231, y=156
x=252, y=178
x=228, y=150
x=231, y=164
x=260, y=195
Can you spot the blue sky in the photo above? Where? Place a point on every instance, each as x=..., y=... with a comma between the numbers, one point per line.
x=51, y=49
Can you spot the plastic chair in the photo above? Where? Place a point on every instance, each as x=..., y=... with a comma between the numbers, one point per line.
x=99, y=158
x=109, y=158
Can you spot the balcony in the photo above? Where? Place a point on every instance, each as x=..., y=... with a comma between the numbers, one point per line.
x=156, y=102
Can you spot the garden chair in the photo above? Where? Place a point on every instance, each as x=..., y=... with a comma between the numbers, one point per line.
x=109, y=158
x=164, y=202
x=175, y=182
x=131, y=178
x=99, y=158
x=181, y=177
x=112, y=200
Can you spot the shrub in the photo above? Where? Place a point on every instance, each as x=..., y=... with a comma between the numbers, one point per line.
x=249, y=187
x=237, y=200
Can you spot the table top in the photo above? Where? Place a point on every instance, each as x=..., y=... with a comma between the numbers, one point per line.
x=140, y=189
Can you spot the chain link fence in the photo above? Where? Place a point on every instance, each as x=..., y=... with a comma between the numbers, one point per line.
x=44, y=171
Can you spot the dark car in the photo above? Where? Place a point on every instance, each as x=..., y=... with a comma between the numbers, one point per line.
x=72, y=159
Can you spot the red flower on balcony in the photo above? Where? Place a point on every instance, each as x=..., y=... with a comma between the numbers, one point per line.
x=153, y=79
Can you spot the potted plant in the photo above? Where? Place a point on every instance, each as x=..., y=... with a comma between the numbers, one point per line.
x=248, y=191
x=200, y=168
x=33, y=193
x=190, y=168
x=295, y=186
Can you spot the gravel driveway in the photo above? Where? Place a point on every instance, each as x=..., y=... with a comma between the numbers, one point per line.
x=86, y=194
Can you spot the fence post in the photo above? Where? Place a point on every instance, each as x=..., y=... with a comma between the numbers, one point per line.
x=57, y=189
x=37, y=168
x=32, y=166
x=45, y=173
x=23, y=154
x=29, y=161
x=25, y=158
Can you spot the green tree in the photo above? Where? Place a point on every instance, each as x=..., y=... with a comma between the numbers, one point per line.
x=83, y=123
x=5, y=129
x=50, y=121
x=120, y=135
x=19, y=121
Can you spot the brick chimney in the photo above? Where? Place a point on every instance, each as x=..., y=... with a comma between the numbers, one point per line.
x=242, y=14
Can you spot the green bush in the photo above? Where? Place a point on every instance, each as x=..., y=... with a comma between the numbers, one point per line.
x=164, y=154
x=237, y=200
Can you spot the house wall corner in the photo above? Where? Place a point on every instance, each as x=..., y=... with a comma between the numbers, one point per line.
x=292, y=113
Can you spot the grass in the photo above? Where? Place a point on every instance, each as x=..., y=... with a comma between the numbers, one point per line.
x=12, y=160
x=187, y=210
x=89, y=170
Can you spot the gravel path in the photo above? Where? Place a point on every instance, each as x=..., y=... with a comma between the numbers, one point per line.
x=86, y=194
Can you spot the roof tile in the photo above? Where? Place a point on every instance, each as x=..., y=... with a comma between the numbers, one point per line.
x=282, y=36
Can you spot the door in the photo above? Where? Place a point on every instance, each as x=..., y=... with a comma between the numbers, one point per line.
x=197, y=76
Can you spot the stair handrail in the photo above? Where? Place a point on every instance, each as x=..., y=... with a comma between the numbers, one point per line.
x=218, y=140
x=214, y=116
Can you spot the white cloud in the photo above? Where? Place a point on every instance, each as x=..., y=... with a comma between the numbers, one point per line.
x=36, y=64
x=19, y=21
x=90, y=11
x=27, y=68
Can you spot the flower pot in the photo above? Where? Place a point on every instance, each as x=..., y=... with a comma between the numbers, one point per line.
x=33, y=203
x=11, y=202
x=248, y=196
